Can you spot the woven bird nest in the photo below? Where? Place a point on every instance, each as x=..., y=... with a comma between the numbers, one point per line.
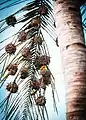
x=22, y=36
x=35, y=22
x=12, y=87
x=10, y=48
x=35, y=85
x=11, y=20
x=26, y=53
x=47, y=77
x=24, y=72
x=12, y=69
x=42, y=60
x=46, y=73
x=43, y=10
x=44, y=81
x=40, y=101
x=47, y=80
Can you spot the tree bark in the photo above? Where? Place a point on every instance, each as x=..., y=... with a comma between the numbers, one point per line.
x=73, y=52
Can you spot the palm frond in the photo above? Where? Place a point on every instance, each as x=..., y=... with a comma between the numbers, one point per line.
x=26, y=60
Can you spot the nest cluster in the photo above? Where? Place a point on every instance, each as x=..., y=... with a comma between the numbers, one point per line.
x=41, y=61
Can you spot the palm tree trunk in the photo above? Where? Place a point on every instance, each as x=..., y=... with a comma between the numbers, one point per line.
x=73, y=51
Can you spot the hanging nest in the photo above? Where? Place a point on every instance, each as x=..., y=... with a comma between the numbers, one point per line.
x=12, y=87
x=35, y=22
x=24, y=72
x=26, y=53
x=44, y=81
x=42, y=60
x=37, y=40
x=11, y=20
x=10, y=48
x=46, y=74
x=40, y=101
x=43, y=10
x=47, y=80
x=12, y=69
x=35, y=85
x=22, y=36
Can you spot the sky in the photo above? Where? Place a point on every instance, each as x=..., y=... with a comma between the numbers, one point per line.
x=55, y=66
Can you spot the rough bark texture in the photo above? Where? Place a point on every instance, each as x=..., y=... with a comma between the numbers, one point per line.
x=73, y=51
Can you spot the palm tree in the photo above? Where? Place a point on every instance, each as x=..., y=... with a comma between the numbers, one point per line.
x=34, y=56
x=73, y=51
